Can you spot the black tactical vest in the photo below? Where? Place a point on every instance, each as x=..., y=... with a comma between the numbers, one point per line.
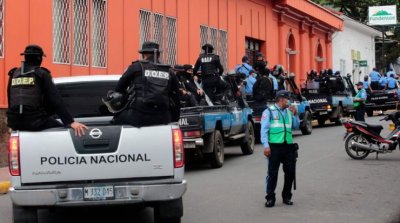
x=151, y=89
x=25, y=91
x=208, y=64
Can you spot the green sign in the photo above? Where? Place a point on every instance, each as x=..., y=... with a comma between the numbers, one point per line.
x=383, y=15
x=363, y=63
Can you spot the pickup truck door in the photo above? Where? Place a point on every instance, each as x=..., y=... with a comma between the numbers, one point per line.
x=237, y=125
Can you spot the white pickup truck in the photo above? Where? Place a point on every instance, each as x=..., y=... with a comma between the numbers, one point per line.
x=111, y=164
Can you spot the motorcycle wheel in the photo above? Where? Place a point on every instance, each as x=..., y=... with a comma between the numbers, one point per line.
x=356, y=153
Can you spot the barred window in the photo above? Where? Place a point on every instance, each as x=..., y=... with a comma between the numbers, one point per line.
x=145, y=26
x=162, y=30
x=217, y=38
x=2, y=28
x=171, y=51
x=81, y=32
x=61, y=31
x=99, y=33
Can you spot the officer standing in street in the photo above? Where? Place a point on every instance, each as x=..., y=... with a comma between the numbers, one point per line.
x=359, y=102
x=277, y=123
x=152, y=89
x=33, y=97
x=211, y=70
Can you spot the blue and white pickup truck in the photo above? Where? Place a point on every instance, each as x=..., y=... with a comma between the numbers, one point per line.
x=331, y=102
x=110, y=165
x=206, y=129
x=303, y=108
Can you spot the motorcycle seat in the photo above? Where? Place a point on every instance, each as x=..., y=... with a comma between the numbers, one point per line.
x=375, y=128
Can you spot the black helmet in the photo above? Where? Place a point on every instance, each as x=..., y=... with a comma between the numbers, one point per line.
x=329, y=72
x=33, y=50
x=282, y=94
x=150, y=47
x=278, y=70
x=207, y=46
x=115, y=101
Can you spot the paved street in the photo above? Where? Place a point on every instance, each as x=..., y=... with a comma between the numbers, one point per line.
x=331, y=188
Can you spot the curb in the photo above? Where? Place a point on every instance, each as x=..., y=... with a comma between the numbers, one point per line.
x=4, y=186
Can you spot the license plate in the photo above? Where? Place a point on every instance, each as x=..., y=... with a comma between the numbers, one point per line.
x=98, y=193
x=189, y=145
x=323, y=113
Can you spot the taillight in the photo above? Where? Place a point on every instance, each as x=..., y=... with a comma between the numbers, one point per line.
x=13, y=156
x=347, y=125
x=179, y=151
x=192, y=134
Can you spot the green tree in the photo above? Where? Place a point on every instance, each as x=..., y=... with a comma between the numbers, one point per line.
x=358, y=10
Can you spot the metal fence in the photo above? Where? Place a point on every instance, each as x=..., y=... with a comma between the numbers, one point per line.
x=99, y=33
x=162, y=30
x=1, y=28
x=61, y=31
x=81, y=32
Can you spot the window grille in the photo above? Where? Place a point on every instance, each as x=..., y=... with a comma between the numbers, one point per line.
x=223, y=48
x=99, y=33
x=61, y=31
x=158, y=31
x=203, y=35
x=2, y=28
x=145, y=26
x=171, y=48
x=81, y=32
x=213, y=40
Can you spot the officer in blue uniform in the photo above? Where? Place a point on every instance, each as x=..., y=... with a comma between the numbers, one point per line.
x=152, y=89
x=33, y=98
x=359, y=102
x=392, y=82
x=375, y=77
x=277, y=123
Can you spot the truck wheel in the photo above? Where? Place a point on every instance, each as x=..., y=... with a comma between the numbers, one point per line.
x=370, y=113
x=321, y=121
x=247, y=144
x=306, y=129
x=24, y=214
x=216, y=157
x=169, y=211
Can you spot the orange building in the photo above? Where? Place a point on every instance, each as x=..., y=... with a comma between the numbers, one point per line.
x=102, y=37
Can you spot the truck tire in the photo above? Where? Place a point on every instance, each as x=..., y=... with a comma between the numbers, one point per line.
x=248, y=142
x=215, y=143
x=370, y=113
x=306, y=129
x=24, y=214
x=169, y=211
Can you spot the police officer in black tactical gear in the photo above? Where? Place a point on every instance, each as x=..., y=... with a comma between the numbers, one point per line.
x=211, y=70
x=186, y=89
x=33, y=97
x=278, y=73
x=152, y=88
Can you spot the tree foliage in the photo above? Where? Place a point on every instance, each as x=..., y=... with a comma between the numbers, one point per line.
x=358, y=10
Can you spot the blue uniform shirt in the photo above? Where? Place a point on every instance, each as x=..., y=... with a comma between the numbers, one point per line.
x=363, y=95
x=375, y=76
x=366, y=85
x=265, y=123
x=244, y=68
x=383, y=81
x=249, y=84
x=391, y=82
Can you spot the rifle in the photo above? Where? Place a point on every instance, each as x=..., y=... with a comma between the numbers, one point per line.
x=209, y=102
x=296, y=155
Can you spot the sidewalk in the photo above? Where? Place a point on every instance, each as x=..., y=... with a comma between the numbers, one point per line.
x=4, y=180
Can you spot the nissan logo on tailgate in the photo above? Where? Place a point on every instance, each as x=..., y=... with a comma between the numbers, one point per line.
x=95, y=133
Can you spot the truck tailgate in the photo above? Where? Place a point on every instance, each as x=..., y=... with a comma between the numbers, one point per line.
x=116, y=151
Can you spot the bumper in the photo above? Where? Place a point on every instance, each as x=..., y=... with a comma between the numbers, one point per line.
x=389, y=105
x=124, y=194
x=192, y=143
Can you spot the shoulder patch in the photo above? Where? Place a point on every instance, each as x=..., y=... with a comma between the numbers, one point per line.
x=11, y=72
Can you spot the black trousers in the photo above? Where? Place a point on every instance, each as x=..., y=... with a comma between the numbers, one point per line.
x=210, y=86
x=139, y=119
x=285, y=154
x=375, y=85
x=27, y=124
x=359, y=115
x=190, y=100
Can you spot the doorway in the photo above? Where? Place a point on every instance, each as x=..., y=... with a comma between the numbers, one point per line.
x=253, y=46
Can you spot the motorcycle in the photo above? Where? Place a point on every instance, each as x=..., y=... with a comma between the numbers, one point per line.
x=362, y=138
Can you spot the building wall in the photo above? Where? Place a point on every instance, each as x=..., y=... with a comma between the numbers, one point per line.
x=356, y=37
x=271, y=22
